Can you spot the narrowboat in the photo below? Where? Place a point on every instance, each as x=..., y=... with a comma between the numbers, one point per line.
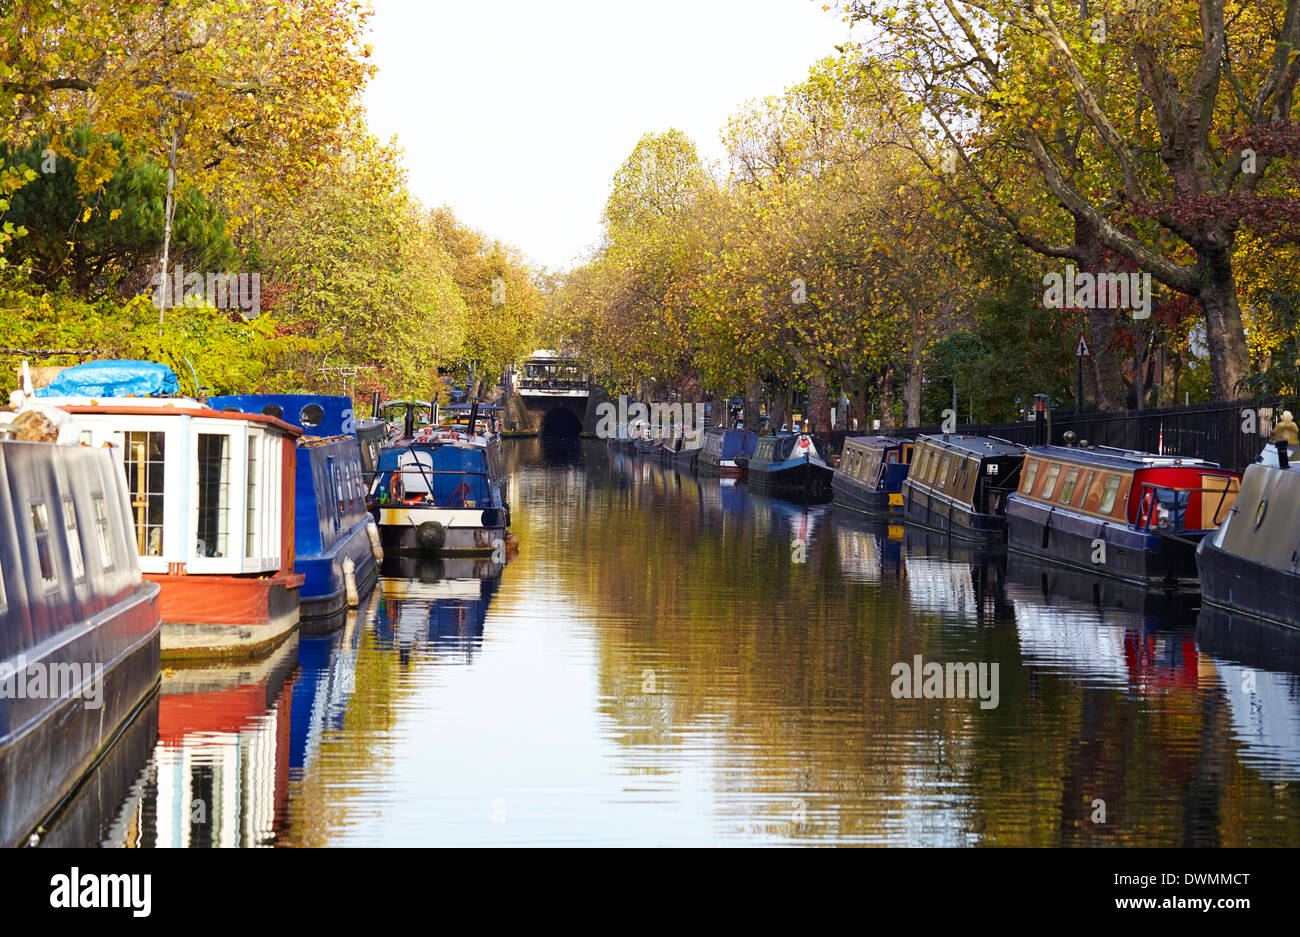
x=335, y=548
x=1116, y=512
x=723, y=448
x=871, y=473
x=959, y=485
x=683, y=449
x=1251, y=564
x=790, y=462
x=212, y=497
x=79, y=626
x=441, y=491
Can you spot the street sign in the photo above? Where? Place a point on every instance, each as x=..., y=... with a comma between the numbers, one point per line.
x=1081, y=350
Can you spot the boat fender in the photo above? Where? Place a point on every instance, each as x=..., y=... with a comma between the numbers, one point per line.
x=430, y=535
x=350, y=582
x=376, y=547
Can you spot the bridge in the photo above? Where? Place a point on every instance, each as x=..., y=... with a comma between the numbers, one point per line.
x=551, y=397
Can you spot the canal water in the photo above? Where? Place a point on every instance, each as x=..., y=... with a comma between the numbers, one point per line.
x=673, y=660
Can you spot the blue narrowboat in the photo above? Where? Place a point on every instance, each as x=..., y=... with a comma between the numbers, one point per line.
x=441, y=491
x=721, y=450
x=335, y=548
x=790, y=462
x=80, y=629
x=871, y=473
x=1136, y=516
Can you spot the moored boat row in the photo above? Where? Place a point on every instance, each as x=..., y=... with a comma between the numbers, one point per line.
x=1156, y=521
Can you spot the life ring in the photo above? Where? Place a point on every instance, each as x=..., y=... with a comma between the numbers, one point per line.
x=397, y=489
x=1146, y=508
x=458, y=495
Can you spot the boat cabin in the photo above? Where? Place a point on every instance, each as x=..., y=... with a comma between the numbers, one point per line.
x=960, y=484
x=872, y=471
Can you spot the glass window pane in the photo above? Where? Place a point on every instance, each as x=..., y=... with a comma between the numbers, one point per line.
x=44, y=553
x=1108, y=496
x=142, y=460
x=74, y=539
x=214, y=495
x=101, y=528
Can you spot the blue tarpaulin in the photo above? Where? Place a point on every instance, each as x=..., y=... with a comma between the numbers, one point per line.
x=113, y=379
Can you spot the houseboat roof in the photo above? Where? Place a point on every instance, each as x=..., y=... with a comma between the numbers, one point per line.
x=876, y=440
x=1117, y=458
x=162, y=406
x=329, y=418
x=984, y=446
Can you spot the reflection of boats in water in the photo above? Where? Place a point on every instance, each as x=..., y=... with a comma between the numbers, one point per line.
x=1103, y=630
x=869, y=550
x=1258, y=665
x=443, y=605
x=953, y=577
x=323, y=690
x=220, y=770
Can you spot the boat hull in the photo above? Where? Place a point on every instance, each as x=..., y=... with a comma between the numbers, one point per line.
x=803, y=476
x=1070, y=539
x=1239, y=584
x=851, y=494
x=226, y=617
x=464, y=531
x=957, y=520
x=49, y=745
x=324, y=592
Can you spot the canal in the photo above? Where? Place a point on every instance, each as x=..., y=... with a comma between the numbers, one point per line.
x=672, y=660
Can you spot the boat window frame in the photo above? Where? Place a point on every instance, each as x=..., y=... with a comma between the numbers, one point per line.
x=228, y=459
x=943, y=469
x=103, y=530
x=1066, y=496
x=72, y=533
x=1050, y=480
x=45, y=560
x=1086, y=488
x=1103, y=507
x=1030, y=476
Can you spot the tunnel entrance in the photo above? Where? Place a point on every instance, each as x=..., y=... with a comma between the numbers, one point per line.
x=561, y=421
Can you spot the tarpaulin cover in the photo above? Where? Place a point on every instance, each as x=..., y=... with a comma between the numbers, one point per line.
x=113, y=379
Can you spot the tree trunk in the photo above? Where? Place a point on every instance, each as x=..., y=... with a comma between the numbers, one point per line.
x=753, y=402
x=1225, y=337
x=887, y=400
x=819, y=406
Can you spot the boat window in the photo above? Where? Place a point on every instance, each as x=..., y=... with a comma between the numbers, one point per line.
x=943, y=469
x=272, y=410
x=336, y=501
x=1049, y=483
x=143, y=455
x=312, y=415
x=1067, y=489
x=1031, y=471
x=892, y=458
x=101, y=528
x=933, y=467
x=44, y=553
x=74, y=540
x=919, y=468
x=1108, y=495
x=965, y=475
x=250, y=507
x=1088, y=501
x=214, y=495
x=907, y=454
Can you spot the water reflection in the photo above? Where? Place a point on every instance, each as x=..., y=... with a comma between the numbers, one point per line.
x=681, y=660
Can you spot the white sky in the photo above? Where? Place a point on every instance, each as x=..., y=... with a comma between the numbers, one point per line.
x=518, y=113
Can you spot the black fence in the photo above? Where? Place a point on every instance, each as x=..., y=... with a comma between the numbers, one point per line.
x=1231, y=434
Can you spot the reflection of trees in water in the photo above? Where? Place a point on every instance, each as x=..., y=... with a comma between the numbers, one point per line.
x=779, y=673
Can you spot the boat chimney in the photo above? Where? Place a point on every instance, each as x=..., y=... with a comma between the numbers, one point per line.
x=374, y=405
x=408, y=425
x=1040, y=420
x=1283, y=460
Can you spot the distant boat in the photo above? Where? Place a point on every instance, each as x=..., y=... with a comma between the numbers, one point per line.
x=331, y=523
x=723, y=451
x=441, y=491
x=871, y=473
x=1136, y=516
x=75, y=614
x=1251, y=564
x=959, y=485
x=790, y=462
